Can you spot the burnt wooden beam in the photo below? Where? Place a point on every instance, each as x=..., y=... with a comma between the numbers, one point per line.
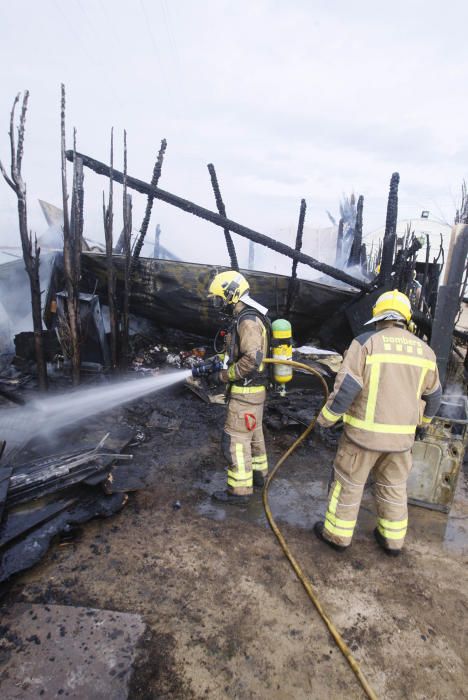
x=192, y=208
x=222, y=211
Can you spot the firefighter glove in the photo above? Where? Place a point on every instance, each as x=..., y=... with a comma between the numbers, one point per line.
x=220, y=377
x=421, y=432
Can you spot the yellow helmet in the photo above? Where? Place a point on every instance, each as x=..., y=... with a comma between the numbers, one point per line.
x=228, y=287
x=391, y=306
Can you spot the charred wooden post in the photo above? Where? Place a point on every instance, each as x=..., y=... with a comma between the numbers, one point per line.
x=222, y=211
x=71, y=253
x=31, y=255
x=127, y=251
x=292, y=287
x=76, y=231
x=404, y=266
x=218, y=220
x=355, y=252
x=149, y=204
x=363, y=259
x=76, y=220
x=108, y=216
x=426, y=275
x=339, y=242
x=388, y=249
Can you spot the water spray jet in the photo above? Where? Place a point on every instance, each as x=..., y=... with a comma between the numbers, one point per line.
x=49, y=415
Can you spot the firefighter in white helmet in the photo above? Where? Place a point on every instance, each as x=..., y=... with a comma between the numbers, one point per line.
x=387, y=386
x=246, y=376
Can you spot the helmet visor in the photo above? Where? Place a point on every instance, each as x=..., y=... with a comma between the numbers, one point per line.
x=387, y=316
x=217, y=302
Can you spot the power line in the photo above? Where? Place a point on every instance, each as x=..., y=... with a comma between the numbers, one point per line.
x=154, y=45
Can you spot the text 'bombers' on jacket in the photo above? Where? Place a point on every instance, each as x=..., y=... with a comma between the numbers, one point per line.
x=387, y=385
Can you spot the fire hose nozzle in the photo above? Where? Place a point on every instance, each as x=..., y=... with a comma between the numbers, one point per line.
x=209, y=367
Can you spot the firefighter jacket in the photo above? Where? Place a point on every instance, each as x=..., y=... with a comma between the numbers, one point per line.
x=247, y=344
x=387, y=385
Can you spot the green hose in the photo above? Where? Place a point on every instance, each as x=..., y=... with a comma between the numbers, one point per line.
x=346, y=651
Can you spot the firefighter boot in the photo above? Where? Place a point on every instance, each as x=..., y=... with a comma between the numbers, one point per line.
x=230, y=498
x=318, y=531
x=259, y=479
x=380, y=539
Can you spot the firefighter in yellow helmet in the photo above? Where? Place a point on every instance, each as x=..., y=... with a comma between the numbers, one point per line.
x=245, y=374
x=387, y=386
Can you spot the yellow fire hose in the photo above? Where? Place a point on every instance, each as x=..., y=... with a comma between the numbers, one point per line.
x=346, y=651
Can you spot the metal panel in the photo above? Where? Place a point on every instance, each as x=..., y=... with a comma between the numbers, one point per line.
x=438, y=458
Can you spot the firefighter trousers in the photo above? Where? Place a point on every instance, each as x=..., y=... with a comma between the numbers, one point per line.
x=352, y=467
x=243, y=442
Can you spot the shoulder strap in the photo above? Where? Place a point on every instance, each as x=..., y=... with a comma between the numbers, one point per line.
x=251, y=314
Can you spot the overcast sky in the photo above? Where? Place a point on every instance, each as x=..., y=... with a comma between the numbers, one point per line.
x=289, y=99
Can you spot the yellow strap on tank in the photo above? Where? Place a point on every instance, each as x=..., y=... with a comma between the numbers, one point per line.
x=264, y=332
x=282, y=334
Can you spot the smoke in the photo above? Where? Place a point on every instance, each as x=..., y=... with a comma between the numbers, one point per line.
x=15, y=295
x=454, y=403
x=7, y=348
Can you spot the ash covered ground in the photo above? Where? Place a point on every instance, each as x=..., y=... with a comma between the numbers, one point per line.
x=225, y=615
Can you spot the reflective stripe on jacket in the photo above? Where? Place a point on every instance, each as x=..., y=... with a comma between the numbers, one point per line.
x=387, y=385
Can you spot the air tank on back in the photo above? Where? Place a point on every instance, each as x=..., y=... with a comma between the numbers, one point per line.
x=282, y=350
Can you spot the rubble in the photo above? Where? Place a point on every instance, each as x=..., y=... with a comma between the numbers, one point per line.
x=44, y=496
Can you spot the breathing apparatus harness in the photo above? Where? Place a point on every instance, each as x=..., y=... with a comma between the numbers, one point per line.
x=261, y=375
x=279, y=347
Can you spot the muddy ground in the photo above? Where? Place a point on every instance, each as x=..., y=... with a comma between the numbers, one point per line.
x=226, y=616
